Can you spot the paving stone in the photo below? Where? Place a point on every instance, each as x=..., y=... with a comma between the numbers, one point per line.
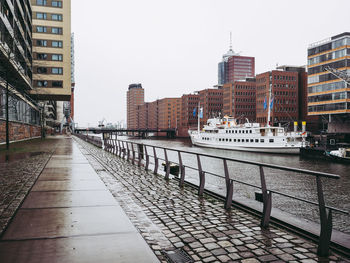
x=250, y=260
x=267, y=258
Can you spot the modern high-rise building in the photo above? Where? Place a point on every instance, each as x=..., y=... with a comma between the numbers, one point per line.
x=235, y=67
x=329, y=94
x=16, y=72
x=135, y=96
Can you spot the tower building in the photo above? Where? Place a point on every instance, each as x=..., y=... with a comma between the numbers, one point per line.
x=135, y=96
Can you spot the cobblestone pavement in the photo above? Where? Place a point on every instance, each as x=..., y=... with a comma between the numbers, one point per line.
x=169, y=217
x=19, y=172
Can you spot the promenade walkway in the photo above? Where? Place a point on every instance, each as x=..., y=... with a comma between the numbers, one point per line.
x=132, y=215
x=70, y=216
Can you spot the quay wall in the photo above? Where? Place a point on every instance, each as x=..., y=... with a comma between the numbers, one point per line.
x=19, y=131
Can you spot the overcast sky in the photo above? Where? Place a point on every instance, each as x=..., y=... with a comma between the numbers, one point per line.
x=173, y=47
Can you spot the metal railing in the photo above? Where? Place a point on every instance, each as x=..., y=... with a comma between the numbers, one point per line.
x=126, y=150
x=95, y=140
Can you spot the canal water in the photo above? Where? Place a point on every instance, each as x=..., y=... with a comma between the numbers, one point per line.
x=336, y=192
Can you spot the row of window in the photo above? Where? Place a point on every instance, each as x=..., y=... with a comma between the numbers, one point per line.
x=239, y=140
x=338, y=64
x=329, y=107
x=329, y=46
x=47, y=70
x=278, y=77
x=45, y=56
x=49, y=16
x=245, y=100
x=331, y=96
x=239, y=131
x=48, y=43
x=328, y=56
x=52, y=30
x=322, y=78
x=327, y=87
x=45, y=3
x=48, y=84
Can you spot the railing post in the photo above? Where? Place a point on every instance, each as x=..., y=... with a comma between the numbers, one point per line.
x=120, y=149
x=201, y=177
x=147, y=159
x=155, y=161
x=139, y=149
x=167, y=165
x=267, y=200
x=127, y=151
x=113, y=146
x=133, y=153
x=326, y=222
x=124, y=150
x=182, y=170
x=229, y=187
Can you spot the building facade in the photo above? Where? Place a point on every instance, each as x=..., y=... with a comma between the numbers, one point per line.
x=284, y=97
x=188, y=120
x=51, y=50
x=328, y=94
x=240, y=68
x=169, y=110
x=16, y=58
x=135, y=96
x=211, y=100
x=239, y=100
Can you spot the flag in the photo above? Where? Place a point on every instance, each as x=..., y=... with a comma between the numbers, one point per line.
x=271, y=102
x=201, y=113
x=194, y=111
x=265, y=104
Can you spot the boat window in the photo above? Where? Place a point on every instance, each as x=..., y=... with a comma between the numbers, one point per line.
x=219, y=139
x=256, y=140
x=227, y=140
x=239, y=140
x=261, y=140
x=250, y=131
x=251, y=140
x=234, y=140
x=226, y=131
x=271, y=140
x=247, y=140
x=239, y=131
x=230, y=140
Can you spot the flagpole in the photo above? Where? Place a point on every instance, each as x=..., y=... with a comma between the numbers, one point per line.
x=198, y=112
x=269, y=108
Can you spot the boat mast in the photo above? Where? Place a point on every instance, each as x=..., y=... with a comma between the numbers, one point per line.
x=269, y=108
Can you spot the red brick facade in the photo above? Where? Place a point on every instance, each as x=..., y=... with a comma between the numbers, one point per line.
x=19, y=131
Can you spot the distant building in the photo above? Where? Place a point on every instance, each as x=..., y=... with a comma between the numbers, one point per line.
x=222, y=66
x=328, y=95
x=135, y=96
x=189, y=102
x=284, y=94
x=169, y=110
x=239, y=99
x=240, y=68
x=211, y=100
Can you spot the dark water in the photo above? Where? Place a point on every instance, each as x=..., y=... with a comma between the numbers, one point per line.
x=336, y=192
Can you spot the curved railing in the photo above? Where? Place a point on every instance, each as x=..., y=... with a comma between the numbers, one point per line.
x=138, y=152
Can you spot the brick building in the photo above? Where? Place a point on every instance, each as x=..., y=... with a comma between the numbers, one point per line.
x=211, y=100
x=187, y=120
x=169, y=110
x=135, y=96
x=239, y=99
x=284, y=91
x=240, y=68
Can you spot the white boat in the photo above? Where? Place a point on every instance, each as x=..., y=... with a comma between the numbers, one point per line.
x=225, y=133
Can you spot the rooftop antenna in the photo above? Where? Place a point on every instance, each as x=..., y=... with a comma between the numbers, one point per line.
x=230, y=40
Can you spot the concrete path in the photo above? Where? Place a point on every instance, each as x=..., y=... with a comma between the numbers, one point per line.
x=70, y=216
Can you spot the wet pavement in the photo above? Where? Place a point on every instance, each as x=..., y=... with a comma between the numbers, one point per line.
x=88, y=205
x=70, y=216
x=169, y=217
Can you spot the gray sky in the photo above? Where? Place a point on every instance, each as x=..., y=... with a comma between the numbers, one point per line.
x=173, y=47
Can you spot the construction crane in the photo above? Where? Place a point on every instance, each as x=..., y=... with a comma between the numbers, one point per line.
x=341, y=74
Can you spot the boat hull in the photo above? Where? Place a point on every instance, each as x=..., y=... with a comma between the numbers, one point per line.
x=250, y=148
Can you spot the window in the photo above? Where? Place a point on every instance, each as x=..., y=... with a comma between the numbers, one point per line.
x=41, y=2
x=57, y=57
x=41, y=70
x=56, y=44
x=261, y=140
x=57, y=71
x=56, y=30
x=41, y=29
x=56, y=3
x=41, y=16
x=57, y=84
x=41, y=56
x=271, y=140
x=41, y=43
x=42, y=83
x=56, y=17
x=256, y=140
